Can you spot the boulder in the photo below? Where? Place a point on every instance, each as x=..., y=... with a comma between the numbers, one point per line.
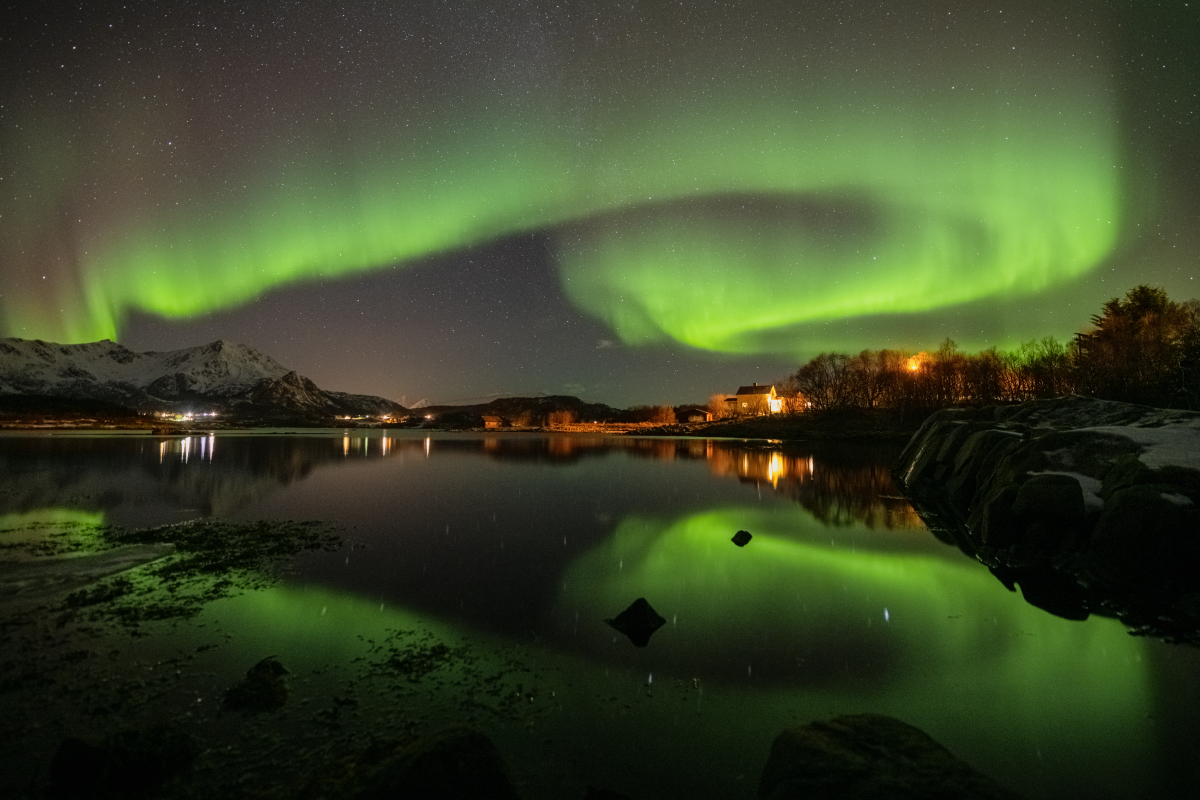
x=868, y=756
x=263, y=689
x=638, y=622
x=458, y=761
x=1090, y=506
x=129, y=764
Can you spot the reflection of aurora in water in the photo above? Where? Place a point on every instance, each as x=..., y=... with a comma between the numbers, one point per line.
x=47, y=531
x=800, y=605
x=922, y=637
x=809, y=620
x=1014, y=684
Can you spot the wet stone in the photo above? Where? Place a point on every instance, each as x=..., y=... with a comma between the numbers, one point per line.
x=868, y=756
x=263, y=689
x=638, y=622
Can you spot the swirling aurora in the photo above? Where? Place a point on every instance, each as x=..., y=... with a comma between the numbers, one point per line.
x=724, y=180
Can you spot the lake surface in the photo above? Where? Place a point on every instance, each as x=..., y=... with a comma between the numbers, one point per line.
x=478, y=574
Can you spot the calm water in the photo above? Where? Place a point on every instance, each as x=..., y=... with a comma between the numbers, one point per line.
x=481, y=568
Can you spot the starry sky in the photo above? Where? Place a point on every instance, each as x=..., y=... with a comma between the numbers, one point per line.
x=631, y=202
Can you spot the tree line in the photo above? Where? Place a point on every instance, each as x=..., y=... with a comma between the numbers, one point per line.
x=1143, y=348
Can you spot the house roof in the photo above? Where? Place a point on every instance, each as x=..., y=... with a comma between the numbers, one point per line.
x=756, y=389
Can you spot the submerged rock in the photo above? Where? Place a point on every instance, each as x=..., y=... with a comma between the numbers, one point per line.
x=129, y=764
x=638, y=622
x=457, y=761
x=867, y=756
x=1089, y=506
x=741, y=538
x=263, y=689
x=604, y=794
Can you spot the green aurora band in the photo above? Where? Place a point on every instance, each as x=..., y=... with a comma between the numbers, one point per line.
x=714, y=211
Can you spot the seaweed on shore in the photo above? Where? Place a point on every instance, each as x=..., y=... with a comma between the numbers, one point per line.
x=212, y=560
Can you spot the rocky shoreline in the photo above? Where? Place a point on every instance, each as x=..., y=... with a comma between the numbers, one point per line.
x=1089, y=506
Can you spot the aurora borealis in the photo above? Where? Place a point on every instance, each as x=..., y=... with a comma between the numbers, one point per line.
x=614, y=202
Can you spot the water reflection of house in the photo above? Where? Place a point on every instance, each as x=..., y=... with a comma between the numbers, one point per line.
x=833, y=494
x=765, y=465
x=755, y=399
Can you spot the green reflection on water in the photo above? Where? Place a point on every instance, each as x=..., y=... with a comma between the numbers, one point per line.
x=50, y=517
x=955, y=653
x=1046, y=704
x=48, y=531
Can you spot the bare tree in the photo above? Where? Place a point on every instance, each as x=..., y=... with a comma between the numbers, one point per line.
x=719, y=406
x=825, y=381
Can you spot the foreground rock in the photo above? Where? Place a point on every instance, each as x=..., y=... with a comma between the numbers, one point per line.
x=264, y=688
x=458, y=761
x=128, y=765
x=865, y=756
x=1089, y=506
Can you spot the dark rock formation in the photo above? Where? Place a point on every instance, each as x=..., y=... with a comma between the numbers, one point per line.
x=129, y=764
x=458, y=761
x=1089, y=506
x=638, y=622
x=867, y=756
x=263, y=689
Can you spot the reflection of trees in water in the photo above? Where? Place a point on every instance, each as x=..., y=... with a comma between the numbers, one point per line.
x=839, y=496
x=573, y=448
x=840, y=485
x=836, y=491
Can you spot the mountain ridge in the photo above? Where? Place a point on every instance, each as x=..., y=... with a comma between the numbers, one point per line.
x=222, y=376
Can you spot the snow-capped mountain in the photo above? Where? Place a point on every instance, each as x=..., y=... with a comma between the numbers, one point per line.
x=220, y=375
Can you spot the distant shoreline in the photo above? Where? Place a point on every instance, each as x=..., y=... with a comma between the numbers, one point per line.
x=857, y=424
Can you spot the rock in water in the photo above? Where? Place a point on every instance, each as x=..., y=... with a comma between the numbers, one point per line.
x=741, y=538
x=263, y=689
x=458, y=761
x=131, y=764
x=638, y=622
x=869, y=757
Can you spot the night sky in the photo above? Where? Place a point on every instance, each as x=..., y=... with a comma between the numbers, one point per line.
x=630, y=202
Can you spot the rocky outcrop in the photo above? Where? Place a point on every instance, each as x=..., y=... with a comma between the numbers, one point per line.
x=868, y=756
x=129, y=765
x=1089, y=506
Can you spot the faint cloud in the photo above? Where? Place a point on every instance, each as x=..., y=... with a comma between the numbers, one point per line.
x=573, y=388
x=604, y=344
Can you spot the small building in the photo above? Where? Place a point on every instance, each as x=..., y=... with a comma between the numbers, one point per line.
x=490, y=421
x=693, y=414
x=755, y=400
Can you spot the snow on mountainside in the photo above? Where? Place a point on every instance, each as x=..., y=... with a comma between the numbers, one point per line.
x=220, y=368
x=222, y=373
